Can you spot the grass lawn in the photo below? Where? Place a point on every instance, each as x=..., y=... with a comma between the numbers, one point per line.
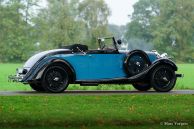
x=117, y=111
x=187, y=82
x=96, y=112
x=7, y=69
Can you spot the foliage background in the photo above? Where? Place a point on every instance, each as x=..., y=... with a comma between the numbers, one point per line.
x=27, y=28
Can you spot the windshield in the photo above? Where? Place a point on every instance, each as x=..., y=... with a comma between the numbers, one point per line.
x=106, y=43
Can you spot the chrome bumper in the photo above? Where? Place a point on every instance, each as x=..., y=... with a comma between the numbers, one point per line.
x=18, y=77
x=15, y=78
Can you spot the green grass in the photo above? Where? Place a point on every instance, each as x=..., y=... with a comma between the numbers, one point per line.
x=187, y=82
x=96, y=112
x=122, y=111
x=7, y=69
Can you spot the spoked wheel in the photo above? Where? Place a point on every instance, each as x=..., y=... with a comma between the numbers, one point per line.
x=55, y=79
x=137, y=62
x=142, y=86
x=163, y=78
x=37, y=87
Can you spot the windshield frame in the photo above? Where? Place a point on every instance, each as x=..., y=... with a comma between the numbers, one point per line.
x=102, y=43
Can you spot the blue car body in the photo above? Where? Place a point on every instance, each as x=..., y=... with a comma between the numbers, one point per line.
x=90, y=66
x=98, y=66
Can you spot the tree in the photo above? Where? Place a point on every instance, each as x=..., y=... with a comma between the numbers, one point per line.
x=136, y=30
x=25, y=30
x=15, y=34
x=94, y=13
x=65, y=22
x=57, y=24
x=144, y=12
x=117, y=31
x=28, y=12
x=167, y=24
x=173, y=28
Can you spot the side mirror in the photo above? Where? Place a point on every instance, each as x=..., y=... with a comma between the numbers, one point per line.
x=119, y=42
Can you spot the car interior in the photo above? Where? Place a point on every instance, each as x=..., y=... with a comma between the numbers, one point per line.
x=84, y=48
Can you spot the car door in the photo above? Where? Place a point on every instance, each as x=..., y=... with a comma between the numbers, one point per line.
x=106, y=66
x=80, y=63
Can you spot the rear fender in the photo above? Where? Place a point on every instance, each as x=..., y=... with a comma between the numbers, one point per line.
x=37, y=72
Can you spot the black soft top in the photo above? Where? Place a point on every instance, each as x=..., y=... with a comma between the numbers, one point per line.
x=76, y=47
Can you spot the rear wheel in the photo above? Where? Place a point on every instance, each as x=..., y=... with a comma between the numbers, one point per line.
x=37, y=87
x=163, y=78
x=55, y=79
x=142, y=86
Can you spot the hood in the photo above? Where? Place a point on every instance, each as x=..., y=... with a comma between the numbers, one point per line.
x=32, y=60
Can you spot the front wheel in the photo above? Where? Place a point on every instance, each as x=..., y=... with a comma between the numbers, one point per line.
x=142, y=87
x=163, y=78
x=55, y=79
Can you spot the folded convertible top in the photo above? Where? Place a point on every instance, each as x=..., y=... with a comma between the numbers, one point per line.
x=76, y=47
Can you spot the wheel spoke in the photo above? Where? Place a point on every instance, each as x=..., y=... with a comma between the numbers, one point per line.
x=163, y=77
x=56, y=79
x=137, y=63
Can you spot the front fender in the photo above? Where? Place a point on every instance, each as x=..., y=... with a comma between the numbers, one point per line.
x=149, y=70
x=164, y=61
x=38, y=69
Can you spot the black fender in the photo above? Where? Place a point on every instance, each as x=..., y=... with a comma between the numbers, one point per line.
x=136, y=51
x=38, y=69
x=165, y=61
x=148, y=72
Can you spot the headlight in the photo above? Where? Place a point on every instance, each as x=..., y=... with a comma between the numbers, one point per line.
x=164, y=55
x=157, y=54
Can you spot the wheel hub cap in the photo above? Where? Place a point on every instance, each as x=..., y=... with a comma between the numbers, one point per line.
x=56, y=79
x=165, y=79
x=138, y=63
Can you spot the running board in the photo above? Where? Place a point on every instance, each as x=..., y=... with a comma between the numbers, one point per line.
x=88, y=84
x=103, y=81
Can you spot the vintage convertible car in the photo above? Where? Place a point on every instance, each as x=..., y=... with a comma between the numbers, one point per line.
x=53, y=70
